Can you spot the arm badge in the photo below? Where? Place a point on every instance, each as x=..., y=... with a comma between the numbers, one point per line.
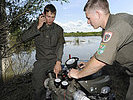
x=107, y=36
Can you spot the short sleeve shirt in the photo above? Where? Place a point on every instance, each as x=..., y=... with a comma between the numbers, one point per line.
x=117, y=41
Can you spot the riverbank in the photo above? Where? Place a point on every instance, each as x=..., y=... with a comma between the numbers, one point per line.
x=19, y=88
x=76, y=34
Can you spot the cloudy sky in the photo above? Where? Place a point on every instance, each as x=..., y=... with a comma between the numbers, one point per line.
x=72, y=17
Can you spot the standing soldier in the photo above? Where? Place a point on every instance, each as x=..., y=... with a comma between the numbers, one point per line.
x=49, y=42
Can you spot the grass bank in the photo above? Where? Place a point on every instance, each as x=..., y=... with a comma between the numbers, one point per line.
x=76, y=34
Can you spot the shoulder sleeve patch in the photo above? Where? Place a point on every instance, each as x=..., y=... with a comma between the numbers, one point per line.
x=107, y=36
x=101, y=48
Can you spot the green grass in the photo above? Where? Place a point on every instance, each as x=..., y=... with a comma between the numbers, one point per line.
x=82, y=34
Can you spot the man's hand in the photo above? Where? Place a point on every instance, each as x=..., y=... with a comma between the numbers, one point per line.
x=73, y=73
x=57, y=68
x=82, y=64
x=42, y=19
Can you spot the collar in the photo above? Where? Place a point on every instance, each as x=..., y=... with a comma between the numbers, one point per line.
x=47, y=27
x=108, y=22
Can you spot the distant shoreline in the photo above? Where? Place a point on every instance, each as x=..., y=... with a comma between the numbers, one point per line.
x=76, y=34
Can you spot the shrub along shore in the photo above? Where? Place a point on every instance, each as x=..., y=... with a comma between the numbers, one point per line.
x=76, y=34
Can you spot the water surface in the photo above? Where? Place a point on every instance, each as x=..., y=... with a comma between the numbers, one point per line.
x=82, y=47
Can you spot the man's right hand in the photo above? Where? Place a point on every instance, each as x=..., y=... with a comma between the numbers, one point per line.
x=82, y=64
x=42, y=19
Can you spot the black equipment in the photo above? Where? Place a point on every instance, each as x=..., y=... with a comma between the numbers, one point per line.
x=93, y=87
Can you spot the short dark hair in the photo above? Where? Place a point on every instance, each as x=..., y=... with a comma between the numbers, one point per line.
x=101, y=4
x=49, y=7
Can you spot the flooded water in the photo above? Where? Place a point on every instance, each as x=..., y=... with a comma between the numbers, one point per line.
x=81, y=47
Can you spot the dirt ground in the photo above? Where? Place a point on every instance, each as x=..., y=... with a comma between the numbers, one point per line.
x=20, y=87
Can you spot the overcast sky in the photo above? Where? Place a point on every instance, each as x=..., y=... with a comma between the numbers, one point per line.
x=72, y=17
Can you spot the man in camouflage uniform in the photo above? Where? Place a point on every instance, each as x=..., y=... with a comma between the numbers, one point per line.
x=49, y=42
x=116, y=44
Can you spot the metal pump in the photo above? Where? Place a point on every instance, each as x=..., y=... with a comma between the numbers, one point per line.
x=93, y=87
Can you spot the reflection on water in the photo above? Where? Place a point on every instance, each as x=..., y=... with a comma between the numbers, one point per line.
x=82, y=47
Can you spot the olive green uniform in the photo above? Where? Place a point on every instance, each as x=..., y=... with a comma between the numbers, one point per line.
x=117, y=45
x=49, y=42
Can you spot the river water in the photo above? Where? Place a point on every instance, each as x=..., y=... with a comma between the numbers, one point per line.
x=81, y=47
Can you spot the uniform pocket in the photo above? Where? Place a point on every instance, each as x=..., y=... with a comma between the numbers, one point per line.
x=43, y=39
x=54, y=40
